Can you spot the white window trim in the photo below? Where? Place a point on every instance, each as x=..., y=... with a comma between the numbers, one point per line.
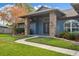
x=71, y=27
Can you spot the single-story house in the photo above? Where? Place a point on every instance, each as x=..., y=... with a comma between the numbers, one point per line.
x=5, y=29
x=46, y=21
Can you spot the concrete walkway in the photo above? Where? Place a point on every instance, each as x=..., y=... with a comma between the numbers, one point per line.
x=52, y=48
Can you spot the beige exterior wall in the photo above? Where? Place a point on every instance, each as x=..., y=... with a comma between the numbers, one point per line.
x=52, y=24
x=27, y=30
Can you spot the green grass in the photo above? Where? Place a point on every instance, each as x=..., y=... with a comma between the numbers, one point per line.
x=16, y=49
x=9, y=37
x=55, y=42
x=9, y=48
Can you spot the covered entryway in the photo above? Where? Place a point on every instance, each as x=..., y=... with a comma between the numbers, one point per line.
x=39, y=25
x=42, y=22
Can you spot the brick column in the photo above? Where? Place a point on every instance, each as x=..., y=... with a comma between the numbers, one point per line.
x=52, y=24
x=27, y=30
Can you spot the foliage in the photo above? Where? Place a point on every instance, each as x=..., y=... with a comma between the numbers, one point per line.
x=26, y=6
x=13, y=13
x=64, y=35
x=67, y=35
x=19, y=30
x=70, y=36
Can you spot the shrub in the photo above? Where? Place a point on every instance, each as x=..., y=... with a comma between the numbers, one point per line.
x=64, y=35
x=67, y=35
x=77, y=37
x=72, y=36
x=19, y=30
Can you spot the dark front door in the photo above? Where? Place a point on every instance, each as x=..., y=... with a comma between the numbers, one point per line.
x=33, y=28
x=46, y=28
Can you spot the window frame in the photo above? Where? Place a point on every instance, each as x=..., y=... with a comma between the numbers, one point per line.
x=71, y=27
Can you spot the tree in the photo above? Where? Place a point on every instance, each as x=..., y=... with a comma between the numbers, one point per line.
x=26, y=6
x=3, y=17
x=13, y=13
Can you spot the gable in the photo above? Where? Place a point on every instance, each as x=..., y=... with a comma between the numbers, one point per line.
x=43, y=8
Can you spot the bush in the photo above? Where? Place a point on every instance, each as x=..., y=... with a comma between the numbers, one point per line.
x=72, y=36
x=19, y=30
x=64, y=35
x=77, y=37
x=67, y=35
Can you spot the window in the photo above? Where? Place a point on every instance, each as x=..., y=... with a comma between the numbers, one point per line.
x=71, y=26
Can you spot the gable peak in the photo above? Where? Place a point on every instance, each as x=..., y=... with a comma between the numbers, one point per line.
x=43, y=8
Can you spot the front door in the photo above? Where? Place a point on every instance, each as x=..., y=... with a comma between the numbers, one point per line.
x=33, y=28
x=46, y=28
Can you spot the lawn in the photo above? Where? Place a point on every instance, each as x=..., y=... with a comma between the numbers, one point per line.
x=9, y=48
x=16, y=49
x=55, y=42
x=9, y=37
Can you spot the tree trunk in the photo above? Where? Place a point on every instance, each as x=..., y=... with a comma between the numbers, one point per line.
x=13, y=29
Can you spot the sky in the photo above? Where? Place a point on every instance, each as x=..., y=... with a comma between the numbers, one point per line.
x=53, y=5
x=50, y=5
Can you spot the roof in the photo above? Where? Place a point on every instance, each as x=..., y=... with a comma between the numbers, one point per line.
x=43, y=10
x=71, y=17
x=76, y=7
x=40, y=12
x=2, y=26
x=70, y=12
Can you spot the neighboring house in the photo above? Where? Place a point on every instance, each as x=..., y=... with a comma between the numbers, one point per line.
x=4, y=29
x=46, y=21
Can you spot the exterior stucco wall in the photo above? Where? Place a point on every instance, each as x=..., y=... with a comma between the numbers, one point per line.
x=60, y=26
x=40, y=27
